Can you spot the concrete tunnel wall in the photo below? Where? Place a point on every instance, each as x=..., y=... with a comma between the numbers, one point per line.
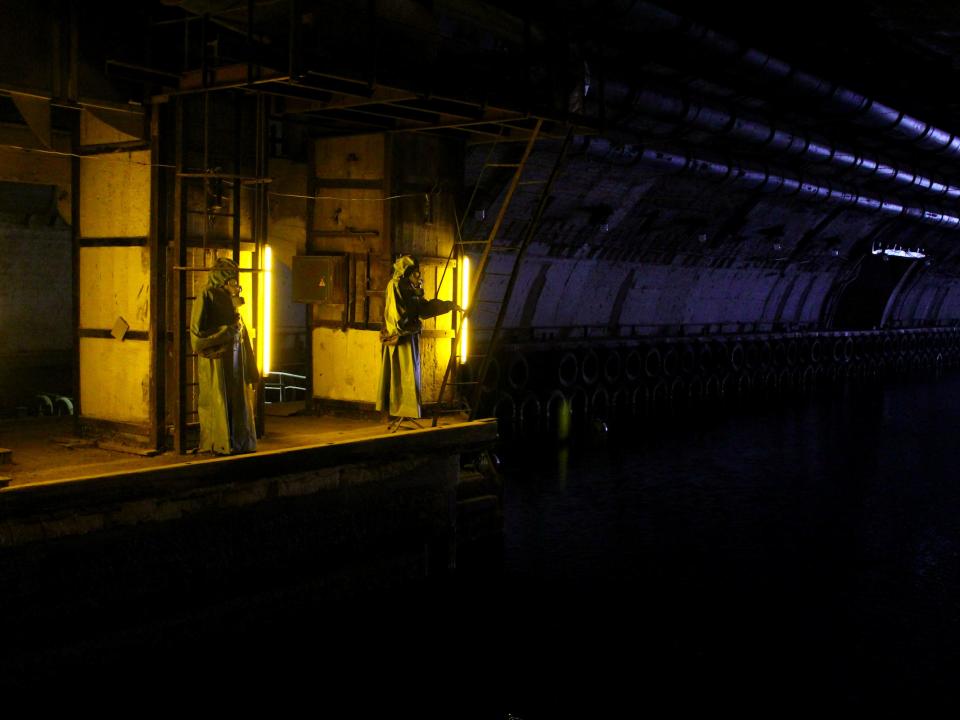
x=932, y=299
x=630, y=250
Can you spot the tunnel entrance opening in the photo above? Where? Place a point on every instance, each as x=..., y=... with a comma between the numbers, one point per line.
x=860, y=302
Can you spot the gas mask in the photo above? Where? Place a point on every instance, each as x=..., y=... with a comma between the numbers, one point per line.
x=233, y=287
x=416, y=282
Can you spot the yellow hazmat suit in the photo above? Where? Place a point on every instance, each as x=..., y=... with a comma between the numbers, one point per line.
x=404, y=308
x=226, y=365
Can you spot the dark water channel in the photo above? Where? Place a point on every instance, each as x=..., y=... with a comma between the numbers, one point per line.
x=795, y=558
x=804, y=558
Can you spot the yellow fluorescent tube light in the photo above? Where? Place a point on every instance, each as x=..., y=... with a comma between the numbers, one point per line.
x=465, y=302
x=267, y=308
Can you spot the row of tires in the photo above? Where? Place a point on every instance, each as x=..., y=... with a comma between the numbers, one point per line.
x=52, y=404
x=521, y=369
x=566, y=410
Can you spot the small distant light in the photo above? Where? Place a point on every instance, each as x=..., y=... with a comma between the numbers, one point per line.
x=778, y=246
x=605, y=228
x=702, y=237
x=480, y=215
x=897, y=251
x=835, y=252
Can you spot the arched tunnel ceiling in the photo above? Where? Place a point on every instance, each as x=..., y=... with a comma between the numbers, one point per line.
x=705, y=250
x=733, y=164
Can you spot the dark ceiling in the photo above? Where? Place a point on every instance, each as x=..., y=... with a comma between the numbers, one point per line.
x=475, y=70
x=903, y=52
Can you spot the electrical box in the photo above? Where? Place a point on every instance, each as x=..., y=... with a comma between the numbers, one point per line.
x=320, y=279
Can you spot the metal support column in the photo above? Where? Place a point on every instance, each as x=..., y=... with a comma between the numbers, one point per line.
x=179, y=287
x=158, y=334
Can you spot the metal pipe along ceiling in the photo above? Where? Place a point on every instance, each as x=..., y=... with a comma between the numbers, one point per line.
x=762, y=181
x=863, y=110
x=720, y=121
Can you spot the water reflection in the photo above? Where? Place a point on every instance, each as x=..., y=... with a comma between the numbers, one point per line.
x=798, y=555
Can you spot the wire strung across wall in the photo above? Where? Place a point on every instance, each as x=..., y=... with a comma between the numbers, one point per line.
x=98, y=156
x=113, y=156
x=337, y=197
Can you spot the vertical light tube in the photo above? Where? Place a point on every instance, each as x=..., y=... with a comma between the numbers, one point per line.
x=464, y=303
x=267, y=325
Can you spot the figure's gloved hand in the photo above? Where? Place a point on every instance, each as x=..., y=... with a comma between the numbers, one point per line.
x=223, y=335
x=215, y=343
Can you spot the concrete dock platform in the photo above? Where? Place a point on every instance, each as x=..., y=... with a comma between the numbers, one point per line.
x=45, y=449
x=96, y=542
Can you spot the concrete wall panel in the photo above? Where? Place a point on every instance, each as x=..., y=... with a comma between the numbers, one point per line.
x=346, y=365
x=434, y=356
x=115, y=197
x=359, y=157
x=925, y=299
x=553, y=297
x=342, y=211
x=950, y=310
x=780, y=291
x=115, y=379
x=525, y=281
x=812, y=307
x=640, y=305
x=115, y=281
x=928, y=300
x=599, y=293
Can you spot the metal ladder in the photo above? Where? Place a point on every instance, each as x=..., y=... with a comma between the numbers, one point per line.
x=517, y=252
x=199, y=192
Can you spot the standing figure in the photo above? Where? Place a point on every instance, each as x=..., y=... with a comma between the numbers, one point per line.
x=404, y=308
x=226, y=365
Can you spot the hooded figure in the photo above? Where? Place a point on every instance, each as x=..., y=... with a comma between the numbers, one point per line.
x=226, y=365
x=404, y=308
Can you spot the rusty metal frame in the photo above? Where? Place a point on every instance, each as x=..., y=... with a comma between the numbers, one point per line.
x=75, y=259
x=158, y=307
x=179, y=287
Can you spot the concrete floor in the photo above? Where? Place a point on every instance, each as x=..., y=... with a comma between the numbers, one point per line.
x=45, y=449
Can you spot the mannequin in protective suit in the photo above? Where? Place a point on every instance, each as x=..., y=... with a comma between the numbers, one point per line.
x=226, y=364
x=404, y=308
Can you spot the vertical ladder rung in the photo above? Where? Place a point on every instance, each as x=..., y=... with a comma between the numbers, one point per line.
x=490, y=245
